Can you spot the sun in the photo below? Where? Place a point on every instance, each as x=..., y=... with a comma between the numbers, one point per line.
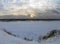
x=32, y=15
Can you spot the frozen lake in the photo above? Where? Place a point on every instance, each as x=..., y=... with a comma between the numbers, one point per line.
x=30, y=28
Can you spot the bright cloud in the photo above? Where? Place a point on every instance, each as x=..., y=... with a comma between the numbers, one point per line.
x=41, y=4
x=14, y=6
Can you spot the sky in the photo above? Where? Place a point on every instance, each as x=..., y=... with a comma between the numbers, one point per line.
x=30, y=8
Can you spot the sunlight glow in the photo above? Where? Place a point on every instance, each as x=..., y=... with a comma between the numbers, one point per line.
x=27, y=7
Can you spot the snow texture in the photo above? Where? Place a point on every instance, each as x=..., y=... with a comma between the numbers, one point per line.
x=29, y=29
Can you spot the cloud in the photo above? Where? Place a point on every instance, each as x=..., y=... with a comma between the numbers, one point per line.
x=39, y=4
x=39, y=7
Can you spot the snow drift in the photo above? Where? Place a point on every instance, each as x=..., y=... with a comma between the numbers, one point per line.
x=9, y=39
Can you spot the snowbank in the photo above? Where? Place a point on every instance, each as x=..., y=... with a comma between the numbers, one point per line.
x=8, y=39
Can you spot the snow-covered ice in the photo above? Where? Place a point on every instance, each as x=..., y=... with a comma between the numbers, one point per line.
x=8, y=39
x=29, y=29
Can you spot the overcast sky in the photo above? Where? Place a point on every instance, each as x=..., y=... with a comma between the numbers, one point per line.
x=32, y=8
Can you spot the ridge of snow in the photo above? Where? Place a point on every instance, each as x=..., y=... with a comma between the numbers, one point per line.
x=8, y=39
